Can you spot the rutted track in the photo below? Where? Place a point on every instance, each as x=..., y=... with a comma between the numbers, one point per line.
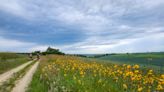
x=25, y=81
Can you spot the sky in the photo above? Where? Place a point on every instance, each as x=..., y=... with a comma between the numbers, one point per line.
x=82, y=26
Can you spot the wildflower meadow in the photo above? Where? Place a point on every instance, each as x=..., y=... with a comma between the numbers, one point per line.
x=73, y=74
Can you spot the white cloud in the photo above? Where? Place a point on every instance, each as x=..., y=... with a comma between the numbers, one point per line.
x=16, y=8
x=38, y=48
x=5, y=43
x=151, y=42
x=20, y=46
x=148, y=43
x=11, y=6
x=14, y=45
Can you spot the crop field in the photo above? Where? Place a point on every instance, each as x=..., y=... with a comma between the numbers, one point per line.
x=74, y=74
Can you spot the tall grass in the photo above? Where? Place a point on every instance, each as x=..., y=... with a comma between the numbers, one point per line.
x=5, y=56
x=8, y=85
x=11, y=60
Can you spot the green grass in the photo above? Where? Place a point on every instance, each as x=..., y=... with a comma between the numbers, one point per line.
x=147, y=60
x=150, y=59
x=9, y=84
x=37, y=84
x=11, y=60
x=6, y=55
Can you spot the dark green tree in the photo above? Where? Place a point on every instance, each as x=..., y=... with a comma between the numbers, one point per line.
x=52, y=51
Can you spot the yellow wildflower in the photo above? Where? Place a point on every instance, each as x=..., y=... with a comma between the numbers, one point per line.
x=159, y=87
x=162, y=76
x=99, y=81
x=74, y=77
x=136, y=66
x=136, y=71
x=129, y=66
x=65, y=75
x=139, y=89
x=125, y=86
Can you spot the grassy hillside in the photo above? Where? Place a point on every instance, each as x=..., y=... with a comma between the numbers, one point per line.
x=145, y=60
x=139, y=58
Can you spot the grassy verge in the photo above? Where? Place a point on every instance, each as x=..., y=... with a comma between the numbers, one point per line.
x=37, y=84
x=11, y=60
x=7, y=65
x=9, y=84
x=72, y=74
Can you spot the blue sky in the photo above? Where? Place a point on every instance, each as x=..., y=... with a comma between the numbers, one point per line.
x=82, y=26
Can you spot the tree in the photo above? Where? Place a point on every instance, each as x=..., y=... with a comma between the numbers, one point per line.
x=52, y=51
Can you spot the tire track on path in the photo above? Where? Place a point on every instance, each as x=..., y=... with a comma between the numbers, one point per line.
x=25, y=81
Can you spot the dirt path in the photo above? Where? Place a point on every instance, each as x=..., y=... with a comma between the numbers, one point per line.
x=5, y=76
x=25, y=81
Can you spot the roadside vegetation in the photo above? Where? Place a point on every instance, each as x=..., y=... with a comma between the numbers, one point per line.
x=9, y=84
x=11, y=60
x=74, y=74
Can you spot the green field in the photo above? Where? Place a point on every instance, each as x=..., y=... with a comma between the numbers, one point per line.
x=11, y=60
x=147, y=60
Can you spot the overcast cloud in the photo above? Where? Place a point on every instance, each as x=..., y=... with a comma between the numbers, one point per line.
x=82, y=26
